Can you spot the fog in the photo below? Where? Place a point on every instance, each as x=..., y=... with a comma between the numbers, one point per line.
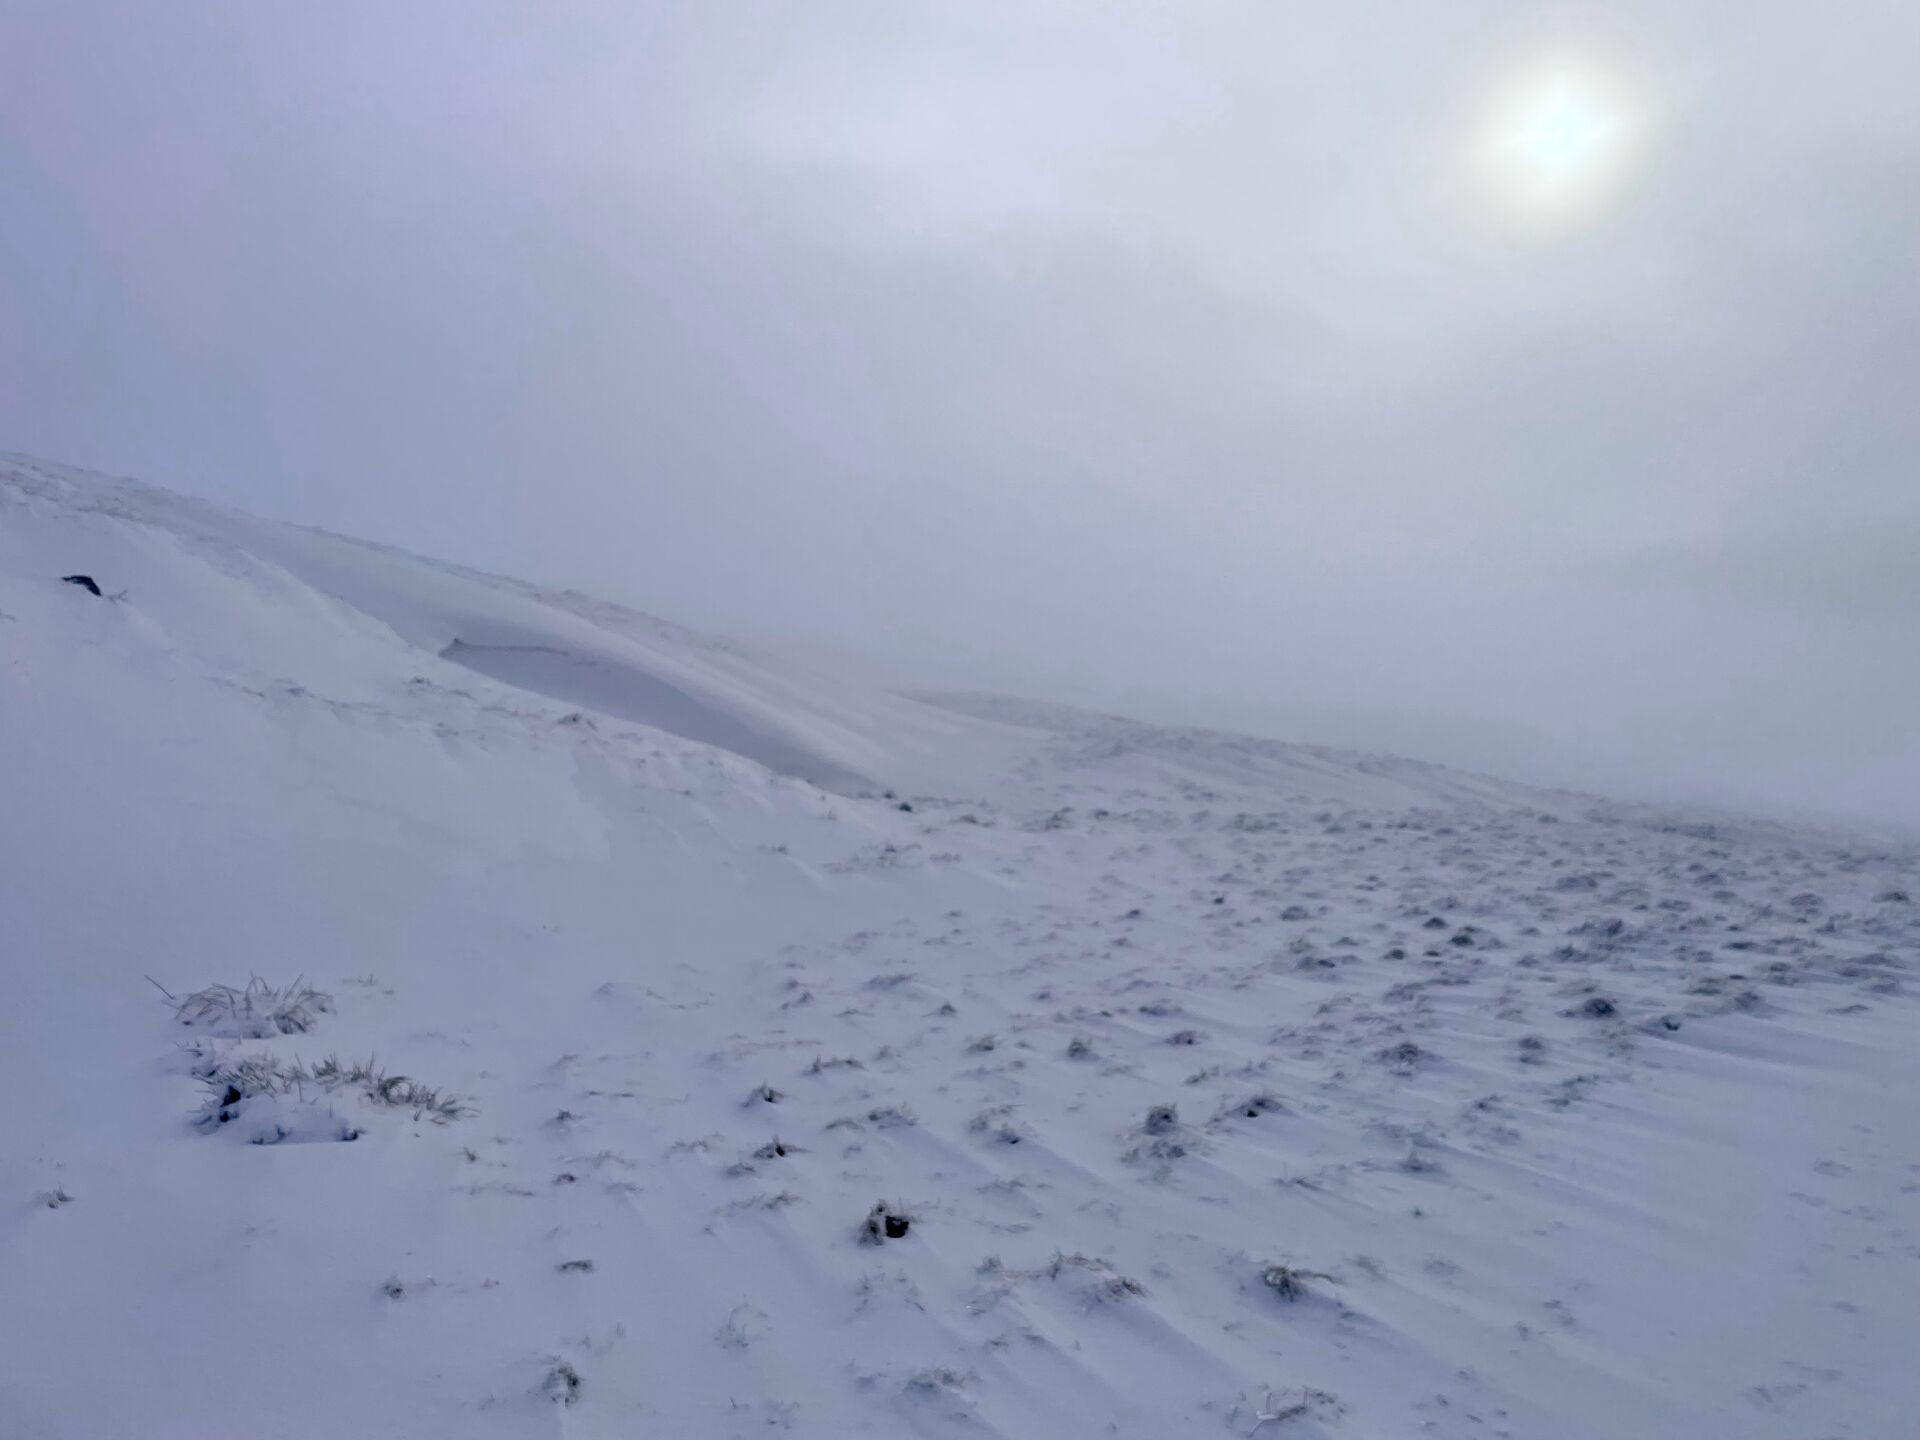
x=1176, y=359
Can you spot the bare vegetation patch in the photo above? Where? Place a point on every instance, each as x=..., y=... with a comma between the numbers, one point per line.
x=562, y=1385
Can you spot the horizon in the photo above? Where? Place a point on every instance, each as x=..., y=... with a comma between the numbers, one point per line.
x=900, y=677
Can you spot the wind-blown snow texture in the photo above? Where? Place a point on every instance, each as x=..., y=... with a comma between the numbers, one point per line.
x=1223, y=1086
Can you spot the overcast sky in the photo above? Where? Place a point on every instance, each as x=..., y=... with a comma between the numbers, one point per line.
x=1190, y=359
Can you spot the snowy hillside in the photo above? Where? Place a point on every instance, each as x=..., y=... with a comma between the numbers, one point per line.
x=666, y=1040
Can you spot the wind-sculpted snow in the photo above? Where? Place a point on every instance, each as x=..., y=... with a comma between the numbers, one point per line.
x=211, y=566
x=605, y=684
x=1102, y=1080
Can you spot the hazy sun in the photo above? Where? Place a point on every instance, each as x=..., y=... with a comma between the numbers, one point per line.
x=1556, y=141
x=1566, y=134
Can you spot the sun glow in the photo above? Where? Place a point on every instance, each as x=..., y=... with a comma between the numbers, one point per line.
x=1556, y=142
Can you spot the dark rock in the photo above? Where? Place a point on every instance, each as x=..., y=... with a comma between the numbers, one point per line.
x=884, y=1222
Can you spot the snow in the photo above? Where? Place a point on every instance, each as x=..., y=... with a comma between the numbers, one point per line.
x=1564, y=1118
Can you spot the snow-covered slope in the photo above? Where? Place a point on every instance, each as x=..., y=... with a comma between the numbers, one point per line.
x=1225, y=1087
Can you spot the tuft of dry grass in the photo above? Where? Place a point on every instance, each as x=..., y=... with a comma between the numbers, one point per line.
x=231, y=1081
x=256, y=1011
x=1289, y=1283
